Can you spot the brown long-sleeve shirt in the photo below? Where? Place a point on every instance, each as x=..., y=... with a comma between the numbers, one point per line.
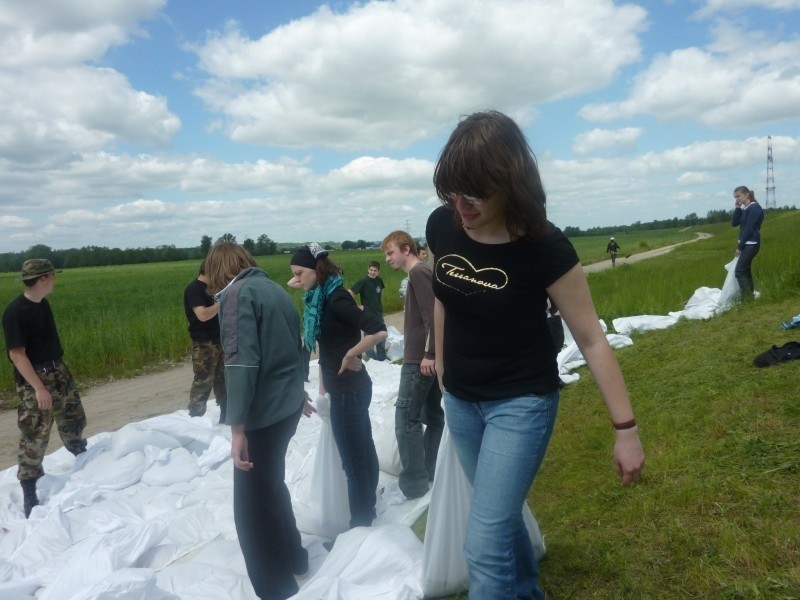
x=418, y=316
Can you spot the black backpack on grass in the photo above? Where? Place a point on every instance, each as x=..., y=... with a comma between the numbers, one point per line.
x=776, y=355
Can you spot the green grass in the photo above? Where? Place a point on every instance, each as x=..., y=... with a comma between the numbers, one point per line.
x=593, y=249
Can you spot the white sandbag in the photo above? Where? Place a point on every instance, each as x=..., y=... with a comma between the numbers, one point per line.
x=21, y=589
x=642, y=323
x=93, y=559
x=321, y=504
x=170, y=467
x=369, y=563
x=385, y=439
x=444, y=568
x=394, y=344
x=125, y=584
x=731, y=293
x=134, y=437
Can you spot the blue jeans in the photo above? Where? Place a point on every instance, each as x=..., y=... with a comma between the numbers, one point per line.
x=378, y=352
x=500, y=445
x=352, y=431
x=418, y=401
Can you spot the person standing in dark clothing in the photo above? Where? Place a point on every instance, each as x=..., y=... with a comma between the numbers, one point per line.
x=208, y=361
x=613, y=248
x=44, y=384
x=748, y=215
x=370, y=288
x=264, y=376
x=333, y=319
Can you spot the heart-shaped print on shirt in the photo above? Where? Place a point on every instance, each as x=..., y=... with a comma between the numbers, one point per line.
x=458, y=273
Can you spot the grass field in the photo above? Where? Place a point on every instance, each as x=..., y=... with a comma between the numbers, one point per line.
x=717, y=512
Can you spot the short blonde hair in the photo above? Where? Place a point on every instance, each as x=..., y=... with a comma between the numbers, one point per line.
x=225, y=261
x=399, y=238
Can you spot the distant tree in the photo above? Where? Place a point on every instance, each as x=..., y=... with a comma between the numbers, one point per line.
x=348, y=245
x=328, y=247
x=361, y=244
x=205, y=244
x=227, y=237
x=265, y=245
x=249, y=245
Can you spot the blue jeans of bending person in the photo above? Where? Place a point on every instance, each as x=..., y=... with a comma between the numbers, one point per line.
x=419, y=402
x=352, y=431
x=500, y=445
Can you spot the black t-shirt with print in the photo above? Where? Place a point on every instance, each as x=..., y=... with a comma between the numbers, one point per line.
x=496, y=341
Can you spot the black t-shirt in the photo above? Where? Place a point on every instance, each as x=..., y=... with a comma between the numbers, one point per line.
x=340, y=330
x=30, y=325
x=496, y=340
x=371, y=292
x=195, y=295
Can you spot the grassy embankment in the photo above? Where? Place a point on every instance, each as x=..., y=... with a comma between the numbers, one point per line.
x=717, y=511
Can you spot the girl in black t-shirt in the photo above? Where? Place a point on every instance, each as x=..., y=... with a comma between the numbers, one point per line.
x=496, y=261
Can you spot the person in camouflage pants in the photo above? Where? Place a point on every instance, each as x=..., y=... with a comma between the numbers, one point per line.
x=44, y=384
x=208, y=364
x=35, y=424
x=208, y=360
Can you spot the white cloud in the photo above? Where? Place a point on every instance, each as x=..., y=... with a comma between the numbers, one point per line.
x=711, y=7
x=52, y=32
x=56, y=104
x=741, y=80
x=383, y=74
x=618, y=141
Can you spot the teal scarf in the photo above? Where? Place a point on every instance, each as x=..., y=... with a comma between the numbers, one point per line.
x=314, y=299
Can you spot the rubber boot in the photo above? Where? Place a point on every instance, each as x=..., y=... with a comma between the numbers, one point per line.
x=29, y=495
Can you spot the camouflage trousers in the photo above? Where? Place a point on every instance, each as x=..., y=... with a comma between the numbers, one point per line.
x=35, y=424
x=208, y=363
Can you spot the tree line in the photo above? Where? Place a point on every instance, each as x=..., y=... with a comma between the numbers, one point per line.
x=690, y=220
x=101, y=256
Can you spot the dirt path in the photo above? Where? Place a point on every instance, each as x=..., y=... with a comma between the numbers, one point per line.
x=112, y=405
x=621, y=260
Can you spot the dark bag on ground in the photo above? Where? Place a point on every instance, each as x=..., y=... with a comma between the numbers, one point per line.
x=775, y=355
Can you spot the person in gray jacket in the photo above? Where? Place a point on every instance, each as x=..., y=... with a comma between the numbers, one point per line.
x=264, y=380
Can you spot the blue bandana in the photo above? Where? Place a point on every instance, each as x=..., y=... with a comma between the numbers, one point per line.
x=314, y=299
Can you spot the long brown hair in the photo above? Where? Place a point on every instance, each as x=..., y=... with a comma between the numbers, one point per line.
x=225, y=261
x=487, y=152
x=325, y=268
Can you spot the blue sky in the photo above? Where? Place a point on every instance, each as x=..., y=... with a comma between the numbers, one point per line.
x=133, y=123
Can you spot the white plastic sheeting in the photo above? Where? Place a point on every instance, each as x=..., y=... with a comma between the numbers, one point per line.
x=705, y=303
x=147, y=512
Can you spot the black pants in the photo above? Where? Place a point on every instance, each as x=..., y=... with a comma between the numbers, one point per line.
x=743, y=273
x=262, y=511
